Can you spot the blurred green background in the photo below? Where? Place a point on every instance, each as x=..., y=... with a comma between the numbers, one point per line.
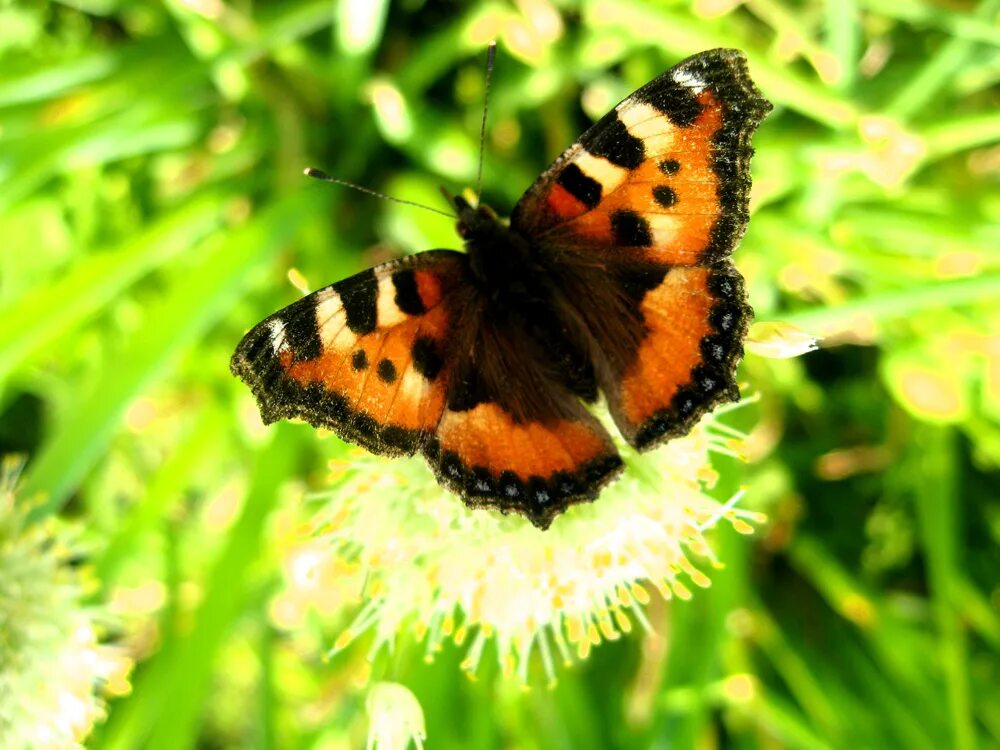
x=152, y=204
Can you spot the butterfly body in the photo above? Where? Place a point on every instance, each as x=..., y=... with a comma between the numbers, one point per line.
x=500, y=259
x=612, y=278
x=519, y=294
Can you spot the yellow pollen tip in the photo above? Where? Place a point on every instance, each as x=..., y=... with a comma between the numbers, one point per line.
x=640, y=594
x=508, y=666
x=682, y=591
x=607, y=629
x=624, y=624
x=700, y=579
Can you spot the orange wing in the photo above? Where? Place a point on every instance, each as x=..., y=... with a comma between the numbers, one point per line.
x=513, y=436
x=535, y=468
x=664, y=177
x=695, y=322
x=639, y=217
x=364, y=357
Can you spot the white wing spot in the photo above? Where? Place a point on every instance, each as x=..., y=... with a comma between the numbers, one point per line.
x=412, y=386
x=278, y=342
x=389, y=313
x=598, y=168
x=648, y=124
x=664, y=228
x=689, y=80
x=331, y=322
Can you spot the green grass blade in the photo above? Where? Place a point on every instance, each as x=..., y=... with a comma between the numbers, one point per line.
x=937, y=498
x=170, y=693
x=35, y=320
x=899, y=304
x=952, y=136
x=937, y=72
x=46, y=82
x=842, y=38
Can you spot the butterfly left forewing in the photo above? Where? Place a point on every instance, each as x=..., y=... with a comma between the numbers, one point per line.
x=406, y=357
x=366, y=357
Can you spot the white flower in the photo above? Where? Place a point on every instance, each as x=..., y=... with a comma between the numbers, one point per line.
x=52, y=663
x=422, y=560
x=395, y=718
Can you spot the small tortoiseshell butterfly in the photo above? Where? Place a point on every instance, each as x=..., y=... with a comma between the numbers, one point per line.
x=612, y=276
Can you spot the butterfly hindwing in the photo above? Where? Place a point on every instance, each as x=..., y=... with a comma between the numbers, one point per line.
x=537, y=469
x=514, y=436
x=365, y=357
x=695, y=320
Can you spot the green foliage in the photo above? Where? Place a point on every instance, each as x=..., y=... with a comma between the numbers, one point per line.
x=151, y=204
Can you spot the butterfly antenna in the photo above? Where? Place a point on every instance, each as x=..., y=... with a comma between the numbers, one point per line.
x=317, y=174
x=491, y=54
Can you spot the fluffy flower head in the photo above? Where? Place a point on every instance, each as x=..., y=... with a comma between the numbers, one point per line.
x=51, y=660
x=416, y=557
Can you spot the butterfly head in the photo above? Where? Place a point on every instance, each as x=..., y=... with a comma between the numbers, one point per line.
x=498, y=256
x=474, y=222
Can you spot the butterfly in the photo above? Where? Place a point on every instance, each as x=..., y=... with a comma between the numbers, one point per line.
x=612, y=277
